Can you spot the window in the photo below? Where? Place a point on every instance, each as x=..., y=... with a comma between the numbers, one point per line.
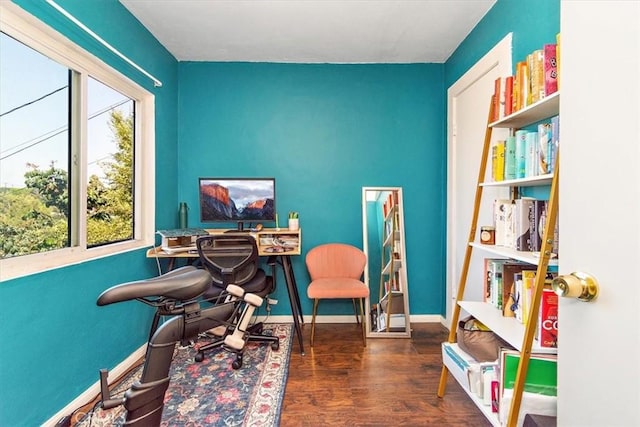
x=76, y=153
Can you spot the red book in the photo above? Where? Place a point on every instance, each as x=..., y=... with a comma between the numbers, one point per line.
x=508, y=96
x=550, y=69
x=548, y=322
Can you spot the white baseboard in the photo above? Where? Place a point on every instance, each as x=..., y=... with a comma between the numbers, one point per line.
x=414, y=318
x=89, y=394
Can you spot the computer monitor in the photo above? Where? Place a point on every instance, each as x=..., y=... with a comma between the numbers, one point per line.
x=240, y=200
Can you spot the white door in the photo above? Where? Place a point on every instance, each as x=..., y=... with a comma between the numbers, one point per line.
x=467, y=97
x=599, y=342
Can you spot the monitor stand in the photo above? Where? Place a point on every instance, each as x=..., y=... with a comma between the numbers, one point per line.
x=240, y=229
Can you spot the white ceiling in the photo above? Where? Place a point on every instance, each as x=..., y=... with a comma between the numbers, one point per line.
x=310, y=31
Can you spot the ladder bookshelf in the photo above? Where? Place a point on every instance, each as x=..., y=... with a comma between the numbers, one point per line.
x=520, y=336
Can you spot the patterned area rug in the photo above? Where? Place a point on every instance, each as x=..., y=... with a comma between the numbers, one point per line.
x=212, y=393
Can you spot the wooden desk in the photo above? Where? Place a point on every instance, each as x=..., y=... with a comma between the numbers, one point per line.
x=277, y=243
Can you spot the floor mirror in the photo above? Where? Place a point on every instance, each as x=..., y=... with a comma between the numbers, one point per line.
x=386, y=273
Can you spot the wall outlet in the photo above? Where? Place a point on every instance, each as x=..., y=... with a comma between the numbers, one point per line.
x=271, y=301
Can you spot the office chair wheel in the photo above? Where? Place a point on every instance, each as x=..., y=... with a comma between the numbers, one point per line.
x=199, y=357
x=237, y=364
x=275, y=346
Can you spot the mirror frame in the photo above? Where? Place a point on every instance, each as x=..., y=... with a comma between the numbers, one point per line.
x=403, y=271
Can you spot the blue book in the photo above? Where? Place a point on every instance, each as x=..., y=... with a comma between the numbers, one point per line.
x=544, y=138
x=554, y=141
x=521, y=152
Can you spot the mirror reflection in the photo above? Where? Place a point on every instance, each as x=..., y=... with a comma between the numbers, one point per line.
x=385, y=273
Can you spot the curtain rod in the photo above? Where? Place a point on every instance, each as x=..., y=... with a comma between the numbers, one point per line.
x=156, y=82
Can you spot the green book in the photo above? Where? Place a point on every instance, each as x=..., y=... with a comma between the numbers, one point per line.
x=542, y=375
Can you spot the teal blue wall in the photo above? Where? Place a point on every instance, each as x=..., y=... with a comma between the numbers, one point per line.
x=532, y=22
x=324, y=132
x=54, y=337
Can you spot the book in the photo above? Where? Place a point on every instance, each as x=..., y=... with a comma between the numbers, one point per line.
x=528, y=283
x=510, y=158
x=558, y=60
x=540, y=212
x=510, y=298
x=554, y=141
x=531, y=159
x=550, y=68
x=502, y=219
x=544, y=138
x=486, y=294
x=537, y=75
x=529, y=61
x=521, y=216
x=547, y=331
x=537, y=224
x=521, y=90
x=517, y=296
x=542, y=374
x=494, y=281
x=520, y=152
x=497, y=161
x=508, y=96
x=514, y=91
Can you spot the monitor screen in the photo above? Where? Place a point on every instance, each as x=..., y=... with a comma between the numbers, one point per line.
x=242, y=200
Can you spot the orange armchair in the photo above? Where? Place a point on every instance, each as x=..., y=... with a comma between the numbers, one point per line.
x=336, y=271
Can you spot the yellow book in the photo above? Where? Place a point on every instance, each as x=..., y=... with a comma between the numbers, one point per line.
x=528, y=283
x=499, y=167
x=522, y=91
x=537, y=76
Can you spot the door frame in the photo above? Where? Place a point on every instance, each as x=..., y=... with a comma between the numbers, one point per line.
x=500, y=57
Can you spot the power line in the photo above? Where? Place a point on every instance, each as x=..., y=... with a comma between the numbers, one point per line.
x=32, y=102
x=57, y=131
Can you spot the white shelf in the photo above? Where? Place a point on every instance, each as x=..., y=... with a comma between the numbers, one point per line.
x=397, y=265
x=532, y=181
x=394, y=293
x=508, y=328
x=460, y=374
x=546, y=107
x=503, y=251
x=392, y=237
x=392, y=211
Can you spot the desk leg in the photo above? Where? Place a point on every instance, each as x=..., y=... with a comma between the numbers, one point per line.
x=294, y=297
x=294, y=287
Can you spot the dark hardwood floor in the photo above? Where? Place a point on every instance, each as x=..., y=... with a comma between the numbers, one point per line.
x=391, y=382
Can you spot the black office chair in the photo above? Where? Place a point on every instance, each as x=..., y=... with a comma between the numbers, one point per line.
x=232, y=259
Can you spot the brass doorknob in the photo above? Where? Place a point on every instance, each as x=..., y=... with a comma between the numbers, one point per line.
x=576, y=285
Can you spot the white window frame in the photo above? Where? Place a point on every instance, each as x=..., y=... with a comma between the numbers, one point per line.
x=32, y=32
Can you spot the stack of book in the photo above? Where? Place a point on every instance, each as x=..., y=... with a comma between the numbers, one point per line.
x=509, y=286
x=536, y=77
x=527, y=153
x=520, y=224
